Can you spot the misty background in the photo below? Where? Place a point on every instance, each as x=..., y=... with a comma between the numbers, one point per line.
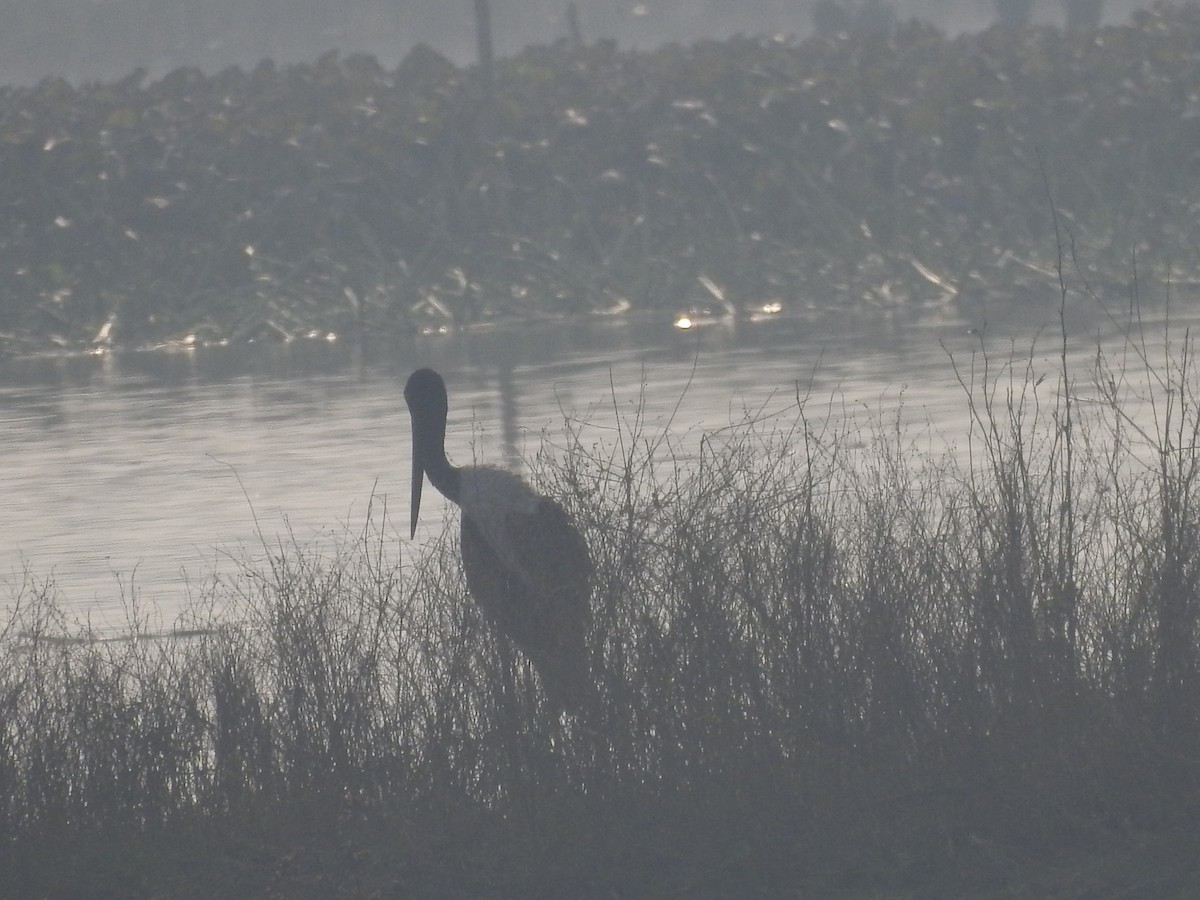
x=87, y=40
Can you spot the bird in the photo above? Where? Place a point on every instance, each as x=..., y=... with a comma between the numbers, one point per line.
x=526, y=565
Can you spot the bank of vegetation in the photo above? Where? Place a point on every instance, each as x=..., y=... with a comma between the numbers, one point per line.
x=831, y=664
x=895, y=168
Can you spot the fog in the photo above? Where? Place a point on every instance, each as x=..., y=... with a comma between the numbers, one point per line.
x=87, y=40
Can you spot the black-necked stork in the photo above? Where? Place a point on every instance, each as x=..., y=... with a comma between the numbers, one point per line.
x=526, y=564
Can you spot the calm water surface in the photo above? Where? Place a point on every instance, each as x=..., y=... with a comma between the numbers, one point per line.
x=155, y=471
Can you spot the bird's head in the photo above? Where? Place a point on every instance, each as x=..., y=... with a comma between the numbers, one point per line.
x=425, y=394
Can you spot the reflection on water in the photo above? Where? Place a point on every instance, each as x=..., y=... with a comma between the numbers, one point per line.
x=157, y=469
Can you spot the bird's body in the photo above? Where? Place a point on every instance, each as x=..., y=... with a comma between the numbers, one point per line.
x=526, y=564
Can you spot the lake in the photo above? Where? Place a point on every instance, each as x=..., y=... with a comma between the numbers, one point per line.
x=158, y=469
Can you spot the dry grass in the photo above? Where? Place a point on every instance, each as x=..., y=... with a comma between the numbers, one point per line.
x=831, y=666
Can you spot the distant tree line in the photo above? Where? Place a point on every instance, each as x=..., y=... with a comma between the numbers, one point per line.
x=1079, y=13
x=835, y=16
x=887, y=168
x=89, y=39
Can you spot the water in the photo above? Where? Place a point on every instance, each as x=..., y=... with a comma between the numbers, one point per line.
x=156, y=470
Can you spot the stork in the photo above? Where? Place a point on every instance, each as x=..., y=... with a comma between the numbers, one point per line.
x=526, y=564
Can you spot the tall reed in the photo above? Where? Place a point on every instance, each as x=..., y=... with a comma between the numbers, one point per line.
x=825, y=657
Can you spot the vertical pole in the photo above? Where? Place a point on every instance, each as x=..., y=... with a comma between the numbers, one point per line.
x=573, y=27
x=483, y=31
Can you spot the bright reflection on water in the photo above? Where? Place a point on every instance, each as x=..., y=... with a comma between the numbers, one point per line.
x=158, y=469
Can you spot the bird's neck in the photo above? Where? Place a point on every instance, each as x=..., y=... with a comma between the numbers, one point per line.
x=442, y=475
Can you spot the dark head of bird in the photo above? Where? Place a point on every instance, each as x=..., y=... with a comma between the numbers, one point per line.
x=425, y=394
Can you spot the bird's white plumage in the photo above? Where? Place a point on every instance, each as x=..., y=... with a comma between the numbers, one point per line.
x=491, y=496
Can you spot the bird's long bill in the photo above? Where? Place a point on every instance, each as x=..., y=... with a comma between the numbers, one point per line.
x=418, y=481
